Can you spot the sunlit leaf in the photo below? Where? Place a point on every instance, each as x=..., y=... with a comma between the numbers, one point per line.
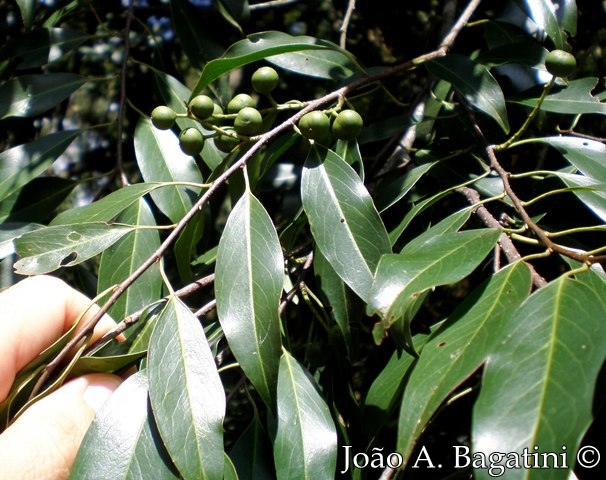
x=123, y=441
x=21, y=164
x=457, y=349
x=305, y=446
x=343, y=219
x=544, y=15
x=475, y=82
x=31, y=95
x=248, y=284
x=179, y=351
x=545, y=397
x=47, y=249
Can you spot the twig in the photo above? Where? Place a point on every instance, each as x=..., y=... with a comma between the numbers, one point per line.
x=298, y=284
x=351, y=6
x=239, y=164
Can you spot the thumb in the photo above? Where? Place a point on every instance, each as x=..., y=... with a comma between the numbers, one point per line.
x=43, y=442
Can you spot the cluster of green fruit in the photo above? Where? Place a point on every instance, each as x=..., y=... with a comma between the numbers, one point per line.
x=248, y=120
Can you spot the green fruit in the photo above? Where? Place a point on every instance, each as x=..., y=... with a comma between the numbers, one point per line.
x=163, y=117
x=248, y=121
x=315, y=126
x=191, y=141
x=213, y=118
x=225, y=143
x=560, y=63
x=347, y=125
x=264, y=80
x=239, y=102
x=202, y=106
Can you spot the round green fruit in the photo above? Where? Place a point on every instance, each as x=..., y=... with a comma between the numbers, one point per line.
x=347, y=125
x=163, y=117
x=239, y=102
x=202, y=106
x=191, y=141
x=560, y=63
x=248, y=121
x=225, y=143
x=315, y=126
x=265, y=80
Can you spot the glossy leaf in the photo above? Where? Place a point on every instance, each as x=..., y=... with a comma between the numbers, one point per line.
x=349, y=150
x=31, y=95
x=28, y=11
x=457, y=349
x=19, y=165
x=545, y=397
x=42, y=46
x=47, y=249
x=160, y=159
x=260, y=46
x=447, y=259
x=179, y=351
x=305, y=446
x=9, y=232
x=585, y=154
x=252, y=454
x=248, y=284
x=395, y=187
x=123, y=441
x=343, y=219
x=126, y=255
x=475, y=82
x=591, y=192
x=543, y=13
x=107, y=208
x=104, y=364
x=573, y=99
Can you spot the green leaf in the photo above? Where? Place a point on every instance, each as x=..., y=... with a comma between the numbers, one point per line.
x=252, y=454
x=400, y=278
x=305, y=446
x=104, y=364
x=49, y=248
x=36, y=200
x=179, y=351
x=457, y=349
x=475, y=82
x=123, y=441
x=575, y=98
x=197, y=41
x=28, y=11
x=31, y=95
x=395, y=187
x=543, y=13
x=343, y=219
x=538, y=386
x=260, y=46
x=10, y=231
x=107, y=208
x=42, y=46
x=160, y=159
x=126, y=255
x=248, y=284
x=349, y=150
x=19, y=165
x=591, y=192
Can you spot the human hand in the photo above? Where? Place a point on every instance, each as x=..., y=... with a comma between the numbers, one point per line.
x=42, y=443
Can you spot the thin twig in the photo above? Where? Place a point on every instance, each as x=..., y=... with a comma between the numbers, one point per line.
x=236, y=166
x=351, y=6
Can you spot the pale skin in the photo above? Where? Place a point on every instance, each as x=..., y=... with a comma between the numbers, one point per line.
x=42, y=443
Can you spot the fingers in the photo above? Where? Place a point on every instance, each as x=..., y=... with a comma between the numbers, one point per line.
x=33, y=314
x=43, y=442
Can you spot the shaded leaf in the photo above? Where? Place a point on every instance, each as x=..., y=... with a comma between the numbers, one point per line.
x=49, y=248
x=107, y=208
x=252, y=454
x=123, y=441
x=395, y=187
x=19, y=165
x=121, y=259
x=475, y=82
x=343, y=219
x=31, y=95
x=574, y=98
x=591, y=192
x=160, y=159
x=260, y=46
x=179, y=351
x=248, y=284
x=104, y=364
x=28, y=11
x=544, y=397
x=457, y=349
x=305, y=446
